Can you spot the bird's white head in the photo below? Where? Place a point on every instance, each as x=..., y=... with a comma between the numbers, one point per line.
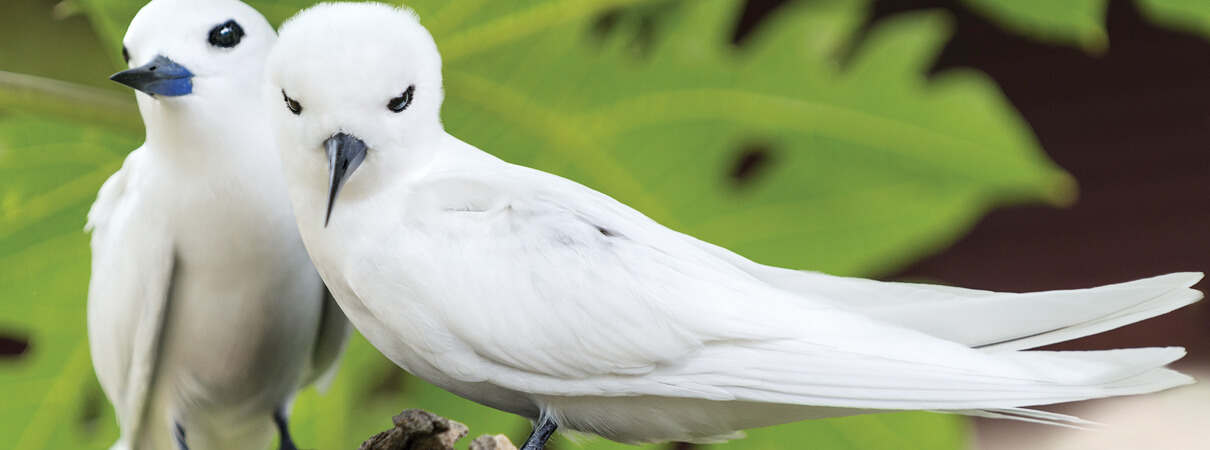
x=353, y=82
x=195, y=52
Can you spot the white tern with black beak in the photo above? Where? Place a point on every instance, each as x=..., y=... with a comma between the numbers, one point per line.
x=205, y=315
x=535, y=295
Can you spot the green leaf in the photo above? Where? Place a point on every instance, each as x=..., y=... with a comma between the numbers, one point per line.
x=1082, y=22
x=44, y=96
x=1188, y=15
x=39, y=38
x=75, y=86
x=815, y=146
x=49, y=172
x=868, y=166
x=1075, y=22
x=923, y=431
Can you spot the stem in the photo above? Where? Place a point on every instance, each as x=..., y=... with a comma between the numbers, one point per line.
x=45, y=96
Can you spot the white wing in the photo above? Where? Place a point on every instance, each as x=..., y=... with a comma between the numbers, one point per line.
x=132, y=271
x=577, y=294
x=334, y=332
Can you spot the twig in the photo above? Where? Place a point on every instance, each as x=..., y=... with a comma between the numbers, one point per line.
x=61, y=99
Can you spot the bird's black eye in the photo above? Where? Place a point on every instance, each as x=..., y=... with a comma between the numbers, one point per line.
x=226, y=35
x=400, y=103
x=291, y=104
x=125, y=55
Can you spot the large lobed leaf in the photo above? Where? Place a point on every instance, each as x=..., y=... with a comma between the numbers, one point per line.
x=49, y=171
x=818, y=145
x=867, y=166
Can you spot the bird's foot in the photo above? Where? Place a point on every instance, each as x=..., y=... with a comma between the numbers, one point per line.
x=180, y=436
x=537, y=440
x=283, y=429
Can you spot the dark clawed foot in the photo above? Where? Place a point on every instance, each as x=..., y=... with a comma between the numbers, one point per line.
x=279, y=418
x=180, y=436
x=537, y=439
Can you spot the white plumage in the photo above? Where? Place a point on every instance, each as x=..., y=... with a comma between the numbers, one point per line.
x=536, y=295
x=204, y=311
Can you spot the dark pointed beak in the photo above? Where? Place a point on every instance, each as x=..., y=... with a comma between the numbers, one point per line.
x=345, y=153
x=161, y=76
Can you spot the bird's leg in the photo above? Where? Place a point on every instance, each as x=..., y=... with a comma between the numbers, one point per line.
x=537, y=439
x=180, y=436
x=279, y=418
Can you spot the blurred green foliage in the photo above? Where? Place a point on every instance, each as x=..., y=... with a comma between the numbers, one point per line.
x=1077, y=22
x=1082, y=22
x=1189, y=15
x=818, y=144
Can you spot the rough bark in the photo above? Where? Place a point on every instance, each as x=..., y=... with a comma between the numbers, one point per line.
x=417, y=429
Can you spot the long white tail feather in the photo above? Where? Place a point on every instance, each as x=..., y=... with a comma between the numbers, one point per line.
x=1163, y=304
x=1008, y=321
x=1177, y=294
x=1028, y=415
x=1043, y=378
x=993, y=321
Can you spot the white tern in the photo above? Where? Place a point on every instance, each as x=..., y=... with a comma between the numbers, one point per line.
x=205, y=315
x=538, y=296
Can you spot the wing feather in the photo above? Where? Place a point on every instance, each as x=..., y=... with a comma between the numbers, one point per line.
x=129, y=290
x=586, y=297
x=334, y=330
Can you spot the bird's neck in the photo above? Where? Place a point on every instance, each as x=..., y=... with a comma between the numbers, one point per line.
x=203, y=133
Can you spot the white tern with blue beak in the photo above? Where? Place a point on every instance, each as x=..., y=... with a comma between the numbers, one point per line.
x=205, y=315
x=535, y=295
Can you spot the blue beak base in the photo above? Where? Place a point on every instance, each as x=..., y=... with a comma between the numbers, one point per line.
x=161, y=76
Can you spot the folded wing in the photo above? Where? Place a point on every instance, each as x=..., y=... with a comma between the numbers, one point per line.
x=590, y=298
x=128, y=295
